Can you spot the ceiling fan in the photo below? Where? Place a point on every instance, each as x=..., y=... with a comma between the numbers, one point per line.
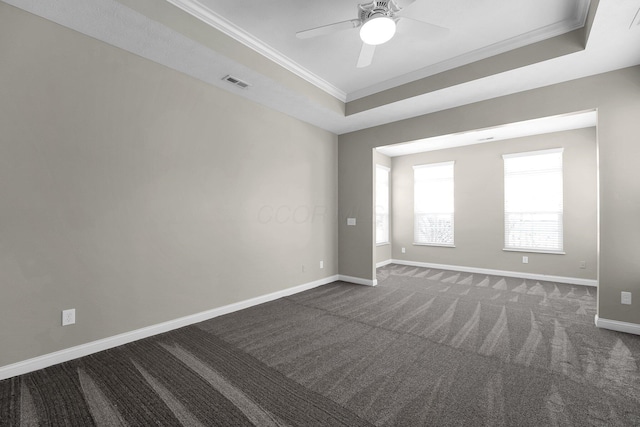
x=377, y=22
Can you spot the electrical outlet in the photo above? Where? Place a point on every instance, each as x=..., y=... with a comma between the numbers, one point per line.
x=525, y=260
x=404, y=250
x=625, y=298
x=68, y=317
x=583, y=264
x=321, y=264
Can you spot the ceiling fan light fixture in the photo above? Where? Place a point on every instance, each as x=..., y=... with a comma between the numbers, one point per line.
x=378, y=30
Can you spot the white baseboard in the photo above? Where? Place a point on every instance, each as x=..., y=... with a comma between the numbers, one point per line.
x=616, y=325
x=383, y=263
x=532, y=276
x=358, y=280
x=71, y=353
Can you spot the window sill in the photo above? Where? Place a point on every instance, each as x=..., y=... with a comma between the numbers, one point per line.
x=439, y=245
x=534, y=251
x=383, y=244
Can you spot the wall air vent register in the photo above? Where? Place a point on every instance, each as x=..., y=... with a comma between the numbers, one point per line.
x=236, y=81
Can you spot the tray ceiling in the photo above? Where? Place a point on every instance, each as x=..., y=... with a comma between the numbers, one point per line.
x=478, y=30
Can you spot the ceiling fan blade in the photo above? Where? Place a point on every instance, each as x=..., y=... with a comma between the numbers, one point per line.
x=404, y=3
x=366, y=55
x=328, y=29
x=429, y=29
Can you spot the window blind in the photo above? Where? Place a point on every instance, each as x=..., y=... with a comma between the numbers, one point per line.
x=382, y=204
x=533, y=201
x=433, y=204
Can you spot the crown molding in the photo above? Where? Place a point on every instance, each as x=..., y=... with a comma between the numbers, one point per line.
x=206, y=15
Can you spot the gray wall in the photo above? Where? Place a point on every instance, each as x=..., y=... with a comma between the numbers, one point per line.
x=616, y=95
x=138, y=195
x=479, y=206
x=383, y=252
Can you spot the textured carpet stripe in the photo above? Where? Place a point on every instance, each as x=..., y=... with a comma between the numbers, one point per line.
x=407, y=316
x=245, y=404
x=376, y=354
x=126, y=388
x=439, y=330
x=28, y=412
x=495, y=402
x=423, y=272
x=178, y=409
x=451, y=279
x=469, y=332
x=484, y=283
x=500, y=285
x=103, y=411
x=190, y=395
x=563, y=355
x=338, y=297
x=315, y=293
x=497, y=343
x=271, y=390
x=57, y=397
x=319, y=334
x=467, y=280
x=528, y=350
x=358, y=306
x=10, y=401
x=316, y=366
x=264, y=320
x=389, y=309
x=621, y=370
x=386, y=375
x=436, y=276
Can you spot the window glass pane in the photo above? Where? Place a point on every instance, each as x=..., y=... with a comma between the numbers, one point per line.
x=533, y=201
x=382, y=204
x=433, y=204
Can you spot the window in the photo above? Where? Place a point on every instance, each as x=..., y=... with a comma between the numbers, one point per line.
x=533, y=205
x=382, y=205
x=433, y=204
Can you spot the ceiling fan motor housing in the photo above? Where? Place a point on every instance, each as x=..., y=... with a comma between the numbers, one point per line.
x=377, y=9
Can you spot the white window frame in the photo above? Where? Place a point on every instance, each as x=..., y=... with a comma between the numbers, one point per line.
x=448, y=213
x=511, y=212
x=383, y=210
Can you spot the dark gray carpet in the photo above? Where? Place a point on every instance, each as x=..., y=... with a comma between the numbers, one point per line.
x=424, y=347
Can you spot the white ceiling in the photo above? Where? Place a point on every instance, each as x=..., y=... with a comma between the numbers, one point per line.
x=478, y=29
x=614, y=43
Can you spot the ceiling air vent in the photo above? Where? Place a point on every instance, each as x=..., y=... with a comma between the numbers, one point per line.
x=236, y=81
